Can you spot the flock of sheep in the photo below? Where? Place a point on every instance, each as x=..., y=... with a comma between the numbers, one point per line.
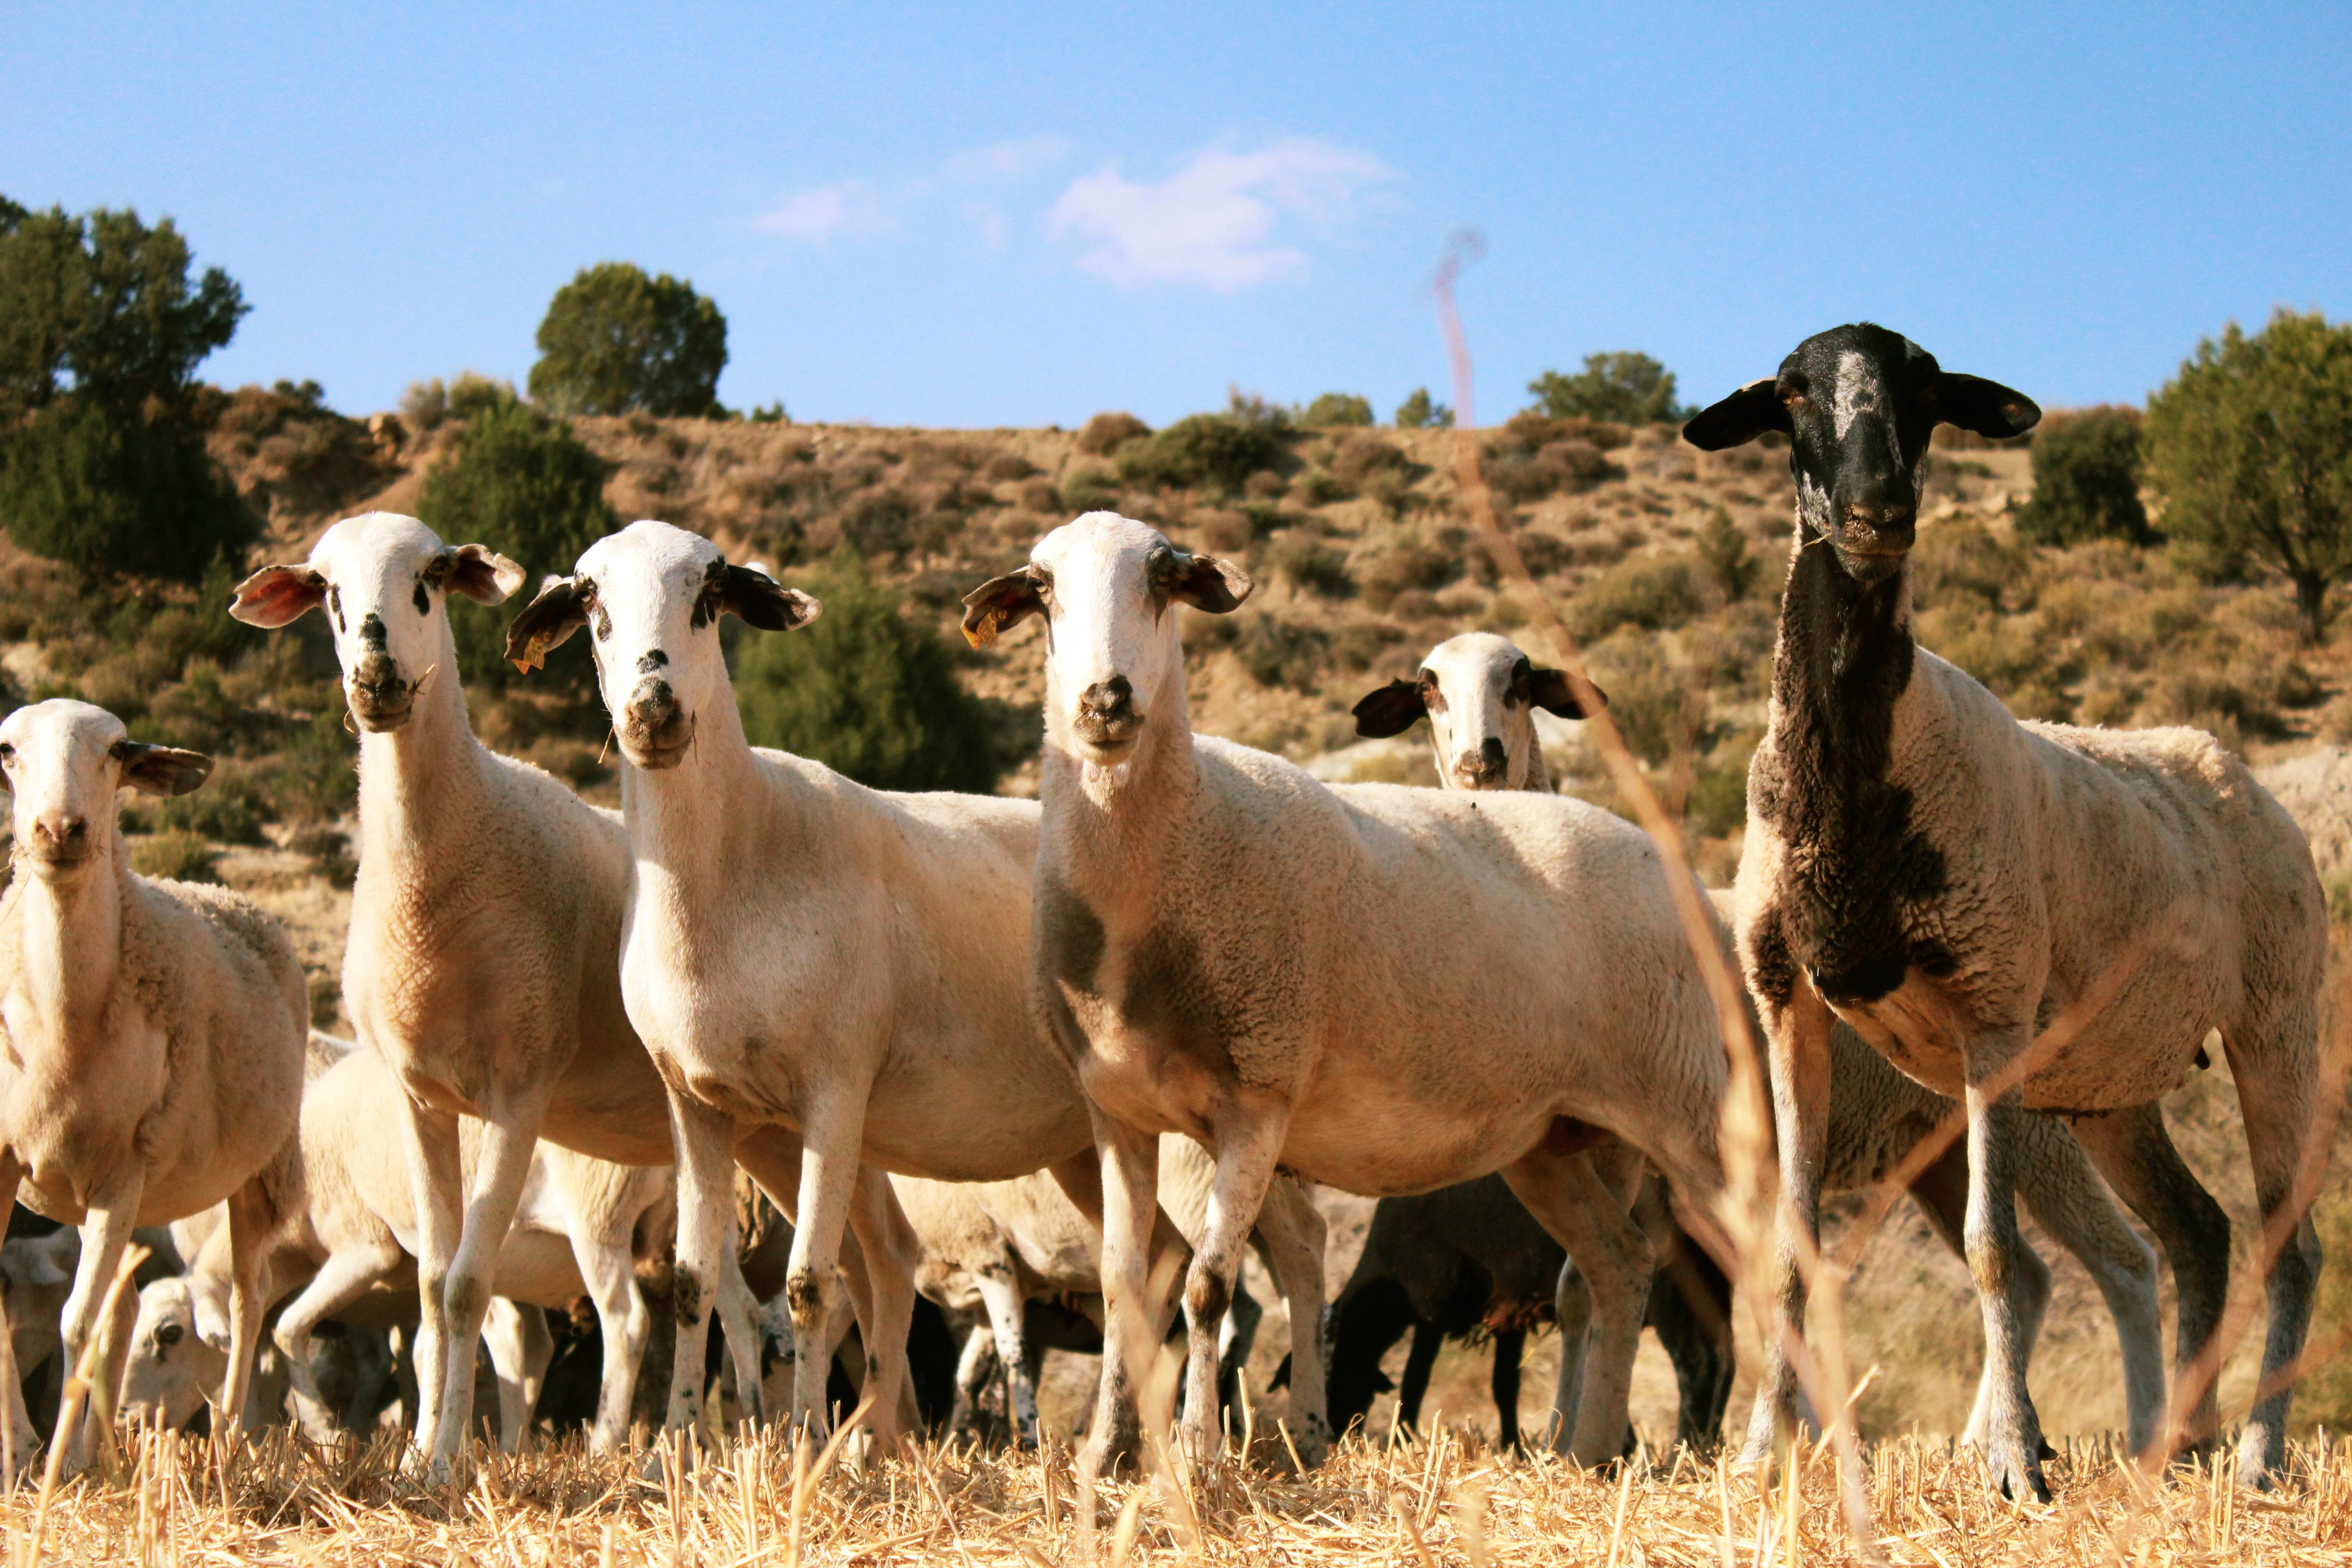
x=1094, y=1044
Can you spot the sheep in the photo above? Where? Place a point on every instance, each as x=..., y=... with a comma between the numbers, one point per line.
x=482, y=963
x=996, y=1246
x=1952, y=883
x=1480, y=692
x=1381, y=989
x=155, y=1035
x=580, y=1225
x=838, y=964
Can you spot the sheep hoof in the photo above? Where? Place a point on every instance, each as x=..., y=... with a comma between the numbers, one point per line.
x=2018, y=1473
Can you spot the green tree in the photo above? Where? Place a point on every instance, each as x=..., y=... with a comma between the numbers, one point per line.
x=2086, y=479
x=522, y=484
x=617, y=341
x=868, y=692
x=2251, y=447
x=1624, y=388
x=101, y=465
x=1337, y=408
x=1417, y=412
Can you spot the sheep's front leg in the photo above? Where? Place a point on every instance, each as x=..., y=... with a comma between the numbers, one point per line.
x=891, y=1252
x=1249, y=1148
x=738, y=1315
x=1797, y=1035
x=1134, y=1313
x=2013, y=1432
x=105, y=1232
x=1000, y=1293
x=436, y=1181
x=1292, y=1230
x=705, y=1140
x=1568, y=1199
x=601, y=1247
x=520, y=1349
x=343, y=1280
x=17, y=1437
x=831, y=1137
x=510, y=1139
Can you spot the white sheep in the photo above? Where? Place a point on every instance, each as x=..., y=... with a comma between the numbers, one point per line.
x=155, y=1036
x=1478, y=692
x=812, y=957
x=482, y=963
x=1953, y=882
x=1383, y=989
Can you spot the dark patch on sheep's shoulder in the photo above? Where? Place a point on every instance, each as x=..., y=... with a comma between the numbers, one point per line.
x=1172, y=998
x=1858, y=868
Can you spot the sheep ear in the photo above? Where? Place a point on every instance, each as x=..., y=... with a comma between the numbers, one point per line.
x=999, y=603
x=1985, y=407
x=1207, y=583
x=161, y=770
x=1390, y=710
x=561, y=609
x=763, y=602
x=484, y=576
x=278, y=595
x=1552, y=691
x=1739, y=419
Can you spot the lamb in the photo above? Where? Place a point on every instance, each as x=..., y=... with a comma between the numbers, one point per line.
x=1480, y=692
x=1382, y=989
x=995, y=1246
x=806, y=956
x=1952, y=883
x=482, y=963
x=155, y=1034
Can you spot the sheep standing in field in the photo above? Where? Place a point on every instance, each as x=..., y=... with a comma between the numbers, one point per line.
x=1952, y=883
x=842, y=965
x=486, y=925
x=1480, y=692
x=1382, y=989
x=155, y=1034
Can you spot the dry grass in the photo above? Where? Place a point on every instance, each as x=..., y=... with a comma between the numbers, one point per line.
x=185, y=1500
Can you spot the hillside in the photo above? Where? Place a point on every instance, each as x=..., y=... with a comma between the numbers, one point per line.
x=1666, y=561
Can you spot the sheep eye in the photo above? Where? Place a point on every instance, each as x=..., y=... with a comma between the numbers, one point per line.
x=423, y=604
x=168, y=1335
x=7, y=753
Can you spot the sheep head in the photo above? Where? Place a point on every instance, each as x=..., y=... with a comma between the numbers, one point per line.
x=62, y=762
x=1479, y=693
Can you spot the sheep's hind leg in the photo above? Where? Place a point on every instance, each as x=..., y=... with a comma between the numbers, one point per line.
x=105, y=1232
x=892, y=1252
x=705, y=1140
x=15, y=1425
x=2276, y=1096
x=510, y=1139
x=1797, y=1035
x=1996, y=1253
x=601, y=1247
x=1007, y=1331
x=1568, y=1199
x=1249, y=1146
x=2136, y=1153
x=1135, y=1313
x=343, y=1280
x=437, y=1184
x=1291, y=1231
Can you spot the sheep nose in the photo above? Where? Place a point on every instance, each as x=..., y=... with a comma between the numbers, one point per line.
x=652, y=704
x=64, y=829
x=1113, y=698
x=376, y=676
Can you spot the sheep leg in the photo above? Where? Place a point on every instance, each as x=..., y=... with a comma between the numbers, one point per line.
x=974, y=1367
x=17, y=1434
x=1571, y=1309
x=2065, y=1196
x=343, y=1280
x=892, y=1253
x=2276, y=1093
x=509, y=1137
x=1567, y=1197
x=2136, y=1153
x=437, y=1180
x=1797, y=1037
x=1996, y=1259
x=1249, y=1148
x=520, y=1348
x=1942, y=1192
x=705, y=1140
x=738, y=1314
x=1135, y=1313
x=603, y=1247
x=1510, y=1345
x=1000, y=1295
x=105, y=1232
x=1428, y=1339
x=1291, y=1231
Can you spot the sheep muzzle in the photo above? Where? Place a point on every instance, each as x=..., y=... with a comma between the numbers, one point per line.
x=655, y=730
x=380, y=700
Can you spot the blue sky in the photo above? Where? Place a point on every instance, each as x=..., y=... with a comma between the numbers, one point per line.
x=1006, y=216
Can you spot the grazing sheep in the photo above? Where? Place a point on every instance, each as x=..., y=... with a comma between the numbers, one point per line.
x=1382, y=989
x=155, y=1037
x=995, y=1246
x=1478, y=692
x=801, y=953
x=485, y=934
x=1951, y=882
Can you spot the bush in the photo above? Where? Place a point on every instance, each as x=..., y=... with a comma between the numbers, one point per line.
x=1089, y=488
x=1336, y=409
x=1107, y=432
x=109, y=493
x=1357, y=460
x=1409, y=566
x=1534, y=456
x=180, y=856
x=1627, y=388
x=1723, y=551
x=868, y=693
x=2086, y=479
x=523, y=485
x=1418, y=412
x=615, y=341
x=1653, y=592
x=1278, y=652
x=1006, y=467
x=1311, y=566
x=1209, y=451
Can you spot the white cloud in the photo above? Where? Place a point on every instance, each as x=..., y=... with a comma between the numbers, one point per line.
x=847, y=209
x=1003, y=159
x=1219, y=221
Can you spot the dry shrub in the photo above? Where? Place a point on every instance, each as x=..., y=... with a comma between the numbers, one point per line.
x=1006, y=467
x=1310, y=566
x=1409, y=566
x=1654, y=593
x=1107, y=432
